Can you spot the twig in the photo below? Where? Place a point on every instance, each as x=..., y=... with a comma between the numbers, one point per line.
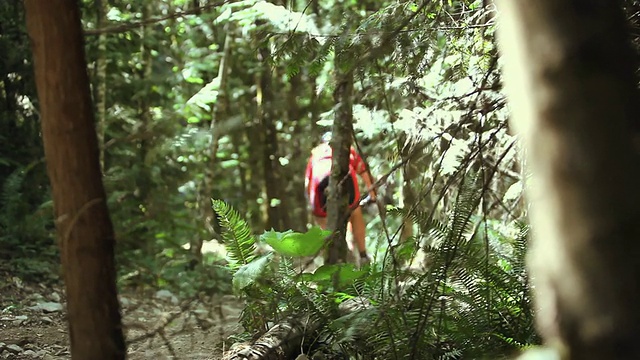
x=167, y=343
x=164, y=324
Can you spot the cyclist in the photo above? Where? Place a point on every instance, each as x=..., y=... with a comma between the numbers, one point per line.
x=317, y=183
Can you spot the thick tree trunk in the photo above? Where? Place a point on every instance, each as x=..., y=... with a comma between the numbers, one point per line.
x=337, y=201
x=570, y=79
x=71, y=147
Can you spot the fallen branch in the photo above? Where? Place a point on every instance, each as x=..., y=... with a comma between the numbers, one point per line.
x=280, y=342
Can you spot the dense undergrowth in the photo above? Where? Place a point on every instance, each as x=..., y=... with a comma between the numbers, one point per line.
x=469, y=300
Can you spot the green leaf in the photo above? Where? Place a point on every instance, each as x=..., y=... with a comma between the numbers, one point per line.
x=249, y=273
x=194, y=80
x=290, y=243
x=326, y=274
x=229, y=163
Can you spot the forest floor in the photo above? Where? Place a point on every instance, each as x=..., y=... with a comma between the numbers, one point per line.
x=158, y=325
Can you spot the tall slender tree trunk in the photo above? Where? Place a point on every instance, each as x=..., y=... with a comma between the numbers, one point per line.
x=409, y=198
x=570, y=76
x=219, y=113
x=298, y=202
x=342, y=132
x=237, y=139
x=314, y=103
x=277, y=216
x=101, y=78
x=83, y=225
x=255, y=183
x=143, y=180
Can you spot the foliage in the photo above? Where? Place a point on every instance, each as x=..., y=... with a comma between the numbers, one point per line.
x=28, y=249
x=430, y=119
x=291, y=243
x=237, y=235
x=472, y=300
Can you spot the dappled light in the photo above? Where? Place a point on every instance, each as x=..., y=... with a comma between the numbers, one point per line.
x=317, y=180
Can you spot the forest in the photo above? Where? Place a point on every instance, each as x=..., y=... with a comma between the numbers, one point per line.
x=172, y=179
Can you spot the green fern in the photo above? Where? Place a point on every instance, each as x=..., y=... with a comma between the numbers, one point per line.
x=322, y=56
x=236, y=233
x=465, y=304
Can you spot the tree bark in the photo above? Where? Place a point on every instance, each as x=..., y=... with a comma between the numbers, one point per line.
x=255, y=183
x=284, y=339
x=101, y=78
x=83, y=224
x=337, y=201
x=143, y=178
x=569, y=72
x=297, y=203
x=277, y=215
x=220, y=112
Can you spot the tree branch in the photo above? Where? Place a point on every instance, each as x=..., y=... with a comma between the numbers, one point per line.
x=137, y=24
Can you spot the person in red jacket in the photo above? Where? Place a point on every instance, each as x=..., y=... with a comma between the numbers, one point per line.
x=317, y=183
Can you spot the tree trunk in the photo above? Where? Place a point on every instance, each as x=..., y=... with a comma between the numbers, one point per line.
x=337, y=201
x=143, y=179
x=238, y=139
x=298, y=202
x=255, y=182
x=409, y=175
x=570, y=78
x=83, y=224
x=314, y=99
x=219, y=113
x=101, y=78
x=277, y=215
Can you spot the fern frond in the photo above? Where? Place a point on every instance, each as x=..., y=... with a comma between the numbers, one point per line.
x=322, y=56
x=236, y=233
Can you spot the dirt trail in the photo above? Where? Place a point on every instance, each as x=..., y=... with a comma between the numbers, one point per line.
x=158, y=325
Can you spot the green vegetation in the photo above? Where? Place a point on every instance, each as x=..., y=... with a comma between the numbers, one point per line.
x=202, y=100
x=471, y=300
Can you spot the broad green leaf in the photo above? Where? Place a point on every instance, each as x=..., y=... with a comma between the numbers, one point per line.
x=194, y=80
x=248, y=274
x=229, y=163
x=290, y=243
x=346, y=274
